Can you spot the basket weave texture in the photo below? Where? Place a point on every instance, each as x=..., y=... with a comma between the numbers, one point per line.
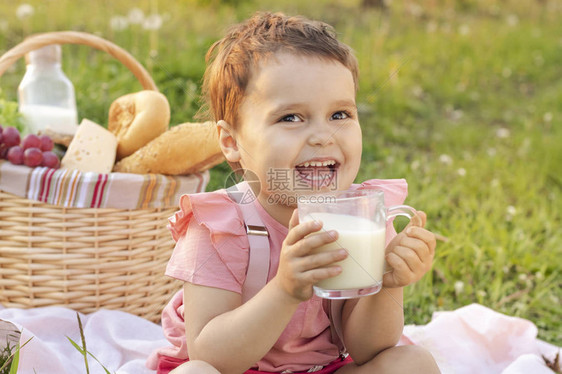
x=83, y=258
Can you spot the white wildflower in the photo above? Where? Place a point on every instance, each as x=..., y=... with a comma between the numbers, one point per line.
x=118, y=23
x=519, y=305
x=461, y=172
x=512, y=20
x=135, y=16
x=503, y=133
x=510, y=212
x=459, y=287
x=481, y=293
x=547, y=117
x=539, y=275
x=25, y=11
x=456, y=114
x=415, y=165
x=491, y=152
x=415, y=10
x=417, y=91
x=446, y=159
x=431, y=27
x=523, y=277
x=464, y=30
x=152, y=22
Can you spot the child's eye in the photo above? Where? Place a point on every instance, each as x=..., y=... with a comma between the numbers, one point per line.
x=290, y=118
x=340, y=115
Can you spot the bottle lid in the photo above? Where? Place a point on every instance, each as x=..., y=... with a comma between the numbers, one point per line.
x=50, y=53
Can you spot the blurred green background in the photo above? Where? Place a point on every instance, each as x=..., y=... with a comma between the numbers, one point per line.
x=461, y=98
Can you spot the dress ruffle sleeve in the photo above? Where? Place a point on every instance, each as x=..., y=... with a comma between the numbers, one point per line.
x=212, y=247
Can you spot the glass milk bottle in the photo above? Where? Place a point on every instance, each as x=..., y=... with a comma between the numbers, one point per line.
x=46, y=96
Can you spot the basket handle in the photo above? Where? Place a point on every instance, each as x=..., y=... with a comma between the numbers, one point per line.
x=75, y=37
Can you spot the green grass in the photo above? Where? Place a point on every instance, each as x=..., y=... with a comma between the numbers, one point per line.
x=460, y=98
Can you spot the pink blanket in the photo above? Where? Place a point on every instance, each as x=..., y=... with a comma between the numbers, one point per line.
x=472, y=339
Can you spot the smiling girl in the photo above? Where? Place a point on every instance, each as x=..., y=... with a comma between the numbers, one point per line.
x=282, y=90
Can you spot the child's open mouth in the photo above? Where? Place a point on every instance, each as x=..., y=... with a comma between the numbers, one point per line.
x=315, y=175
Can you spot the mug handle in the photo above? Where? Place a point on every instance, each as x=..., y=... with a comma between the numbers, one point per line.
x=400, y=210
x=395, y=211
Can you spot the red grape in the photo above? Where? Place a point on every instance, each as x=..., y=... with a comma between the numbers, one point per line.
x=46, y=143
x=11, y=136
x=32, y=157
x=50, y=160
x=31, y=141
x=1, y=137
x=15, y=155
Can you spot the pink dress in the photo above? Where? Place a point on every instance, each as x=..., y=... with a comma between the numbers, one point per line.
x=212, y=250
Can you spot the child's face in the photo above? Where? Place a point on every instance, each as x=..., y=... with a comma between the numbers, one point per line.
x=299, y=110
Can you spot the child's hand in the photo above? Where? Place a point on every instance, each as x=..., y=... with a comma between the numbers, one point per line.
x=410, y=253
x=299, y=268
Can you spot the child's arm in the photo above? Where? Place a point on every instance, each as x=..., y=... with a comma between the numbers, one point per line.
x=233, y=336
x=374, y=323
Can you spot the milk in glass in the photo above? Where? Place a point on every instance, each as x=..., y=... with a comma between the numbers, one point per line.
x=365, y=243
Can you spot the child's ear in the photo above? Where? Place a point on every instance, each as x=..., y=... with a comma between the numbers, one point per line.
x=228, y=142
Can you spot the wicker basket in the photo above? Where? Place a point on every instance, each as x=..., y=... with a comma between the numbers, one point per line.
x=83, y=258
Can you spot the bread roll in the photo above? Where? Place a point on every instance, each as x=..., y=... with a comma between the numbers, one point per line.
x=183, y=149
x=136, y=119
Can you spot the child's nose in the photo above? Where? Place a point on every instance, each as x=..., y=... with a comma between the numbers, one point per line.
x=321, y=134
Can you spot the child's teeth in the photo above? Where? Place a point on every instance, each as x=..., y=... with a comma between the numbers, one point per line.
x=318, y=163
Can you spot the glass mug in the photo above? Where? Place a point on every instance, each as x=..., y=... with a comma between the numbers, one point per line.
x=360, y=218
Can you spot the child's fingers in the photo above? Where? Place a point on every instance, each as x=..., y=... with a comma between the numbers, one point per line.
x=294, y=219
x=416, y=221
x=301, y=230
x=316, y=275
x=420, y=247
x=424, y=235
x=321, y=260
x=314, y=241
x=414, y=263
x=400, y=274
x=423, y=217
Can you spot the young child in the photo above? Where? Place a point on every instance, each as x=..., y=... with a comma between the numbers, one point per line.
x=282, y=90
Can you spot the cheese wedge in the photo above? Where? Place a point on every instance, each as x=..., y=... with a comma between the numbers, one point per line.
x=93, y=148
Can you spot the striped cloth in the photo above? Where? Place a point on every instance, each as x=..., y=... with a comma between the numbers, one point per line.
x=72, y=188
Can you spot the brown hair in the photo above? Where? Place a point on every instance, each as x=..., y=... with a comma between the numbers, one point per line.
x=230, y=60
